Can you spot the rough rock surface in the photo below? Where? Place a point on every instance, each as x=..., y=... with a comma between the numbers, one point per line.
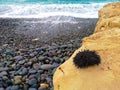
x=106, y=42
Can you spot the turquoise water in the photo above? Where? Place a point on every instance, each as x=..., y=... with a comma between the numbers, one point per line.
x=47, y=8
x=56, y=1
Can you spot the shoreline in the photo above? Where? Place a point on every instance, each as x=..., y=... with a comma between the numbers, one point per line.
x=45, y=30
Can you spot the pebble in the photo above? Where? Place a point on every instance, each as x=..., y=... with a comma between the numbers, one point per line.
x=5, y=78
x=48, y=79
x=8, y=88
x=28, y=63
x=18, y=57
x=32, y=68
x=47, y=66
x=41, y=58
x=63, y=46
x=33, y=60
x=3, y=69
x=17, y=67
x=9, y=53
x=42, y=88
x=56, y=59
x=70, y=45
x=53, y=71
x=32, y=71
x=32, y=89
x=16, y=87
x=2, y=88
x=25, y=87
x=17, y=79
x=38, y=49
x=36, y=66
x=25, y=71
x=1, y=75
x=32, y=76
x=4, y=73
x=32, y=81
x=21, y=62
x=9, y=82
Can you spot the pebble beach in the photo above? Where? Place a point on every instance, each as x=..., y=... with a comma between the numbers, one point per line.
x=32, y=49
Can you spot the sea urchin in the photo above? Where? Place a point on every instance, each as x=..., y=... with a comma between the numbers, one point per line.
x=86, y=58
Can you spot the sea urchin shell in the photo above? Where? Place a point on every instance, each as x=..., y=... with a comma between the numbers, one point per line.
x=86, y=58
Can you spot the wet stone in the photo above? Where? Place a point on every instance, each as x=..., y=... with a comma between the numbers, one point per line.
x=63, y=46
x=1, y=83
x=5, y=78
x=32, y=81
x=47, y=66
x=3, y=69
x=28, y=64
x=18, y=57
x=2, y=88
x=56, y=59
x=42, y=88
x=53, y=71
x=32, y=71
x=23, y=50
x=32, y=54
x=32, y=76
x=51, y=88
x=40, y=71
x=48, y=79
x=35, y=86
x=3, y=73
x=8, y=63
x=16, y=87
x=8, y=88
x=38, y=49
x=36, y=66
x=25, y=87
x=25, y=71
x=9, y=53
x=41, y=58
x=21, y=62
x=33, y=60
x=9, y=82
x=54, y=53
x=32, y=89
x=17, y=79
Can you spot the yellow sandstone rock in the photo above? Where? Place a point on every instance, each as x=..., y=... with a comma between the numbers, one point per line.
x=110, y=10
x=106, y=42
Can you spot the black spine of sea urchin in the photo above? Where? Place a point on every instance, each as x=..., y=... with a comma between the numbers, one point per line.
x=86, y=58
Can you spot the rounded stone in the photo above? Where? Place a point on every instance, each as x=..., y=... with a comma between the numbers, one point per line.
x=32, y=89
x=25, y=71
x=16, y=87
x=32, y=71
x=9, y=82
x=2, y=88
x=42, y=88
x=4, y=73
x=36, y=66
x=32, y=81
x=47, y=66
x=17, y=79
x=41, y=58
x=9, y=88
x=21, y=62
x=18, y=57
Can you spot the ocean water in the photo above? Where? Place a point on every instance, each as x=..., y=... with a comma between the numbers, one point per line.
x=47, y=8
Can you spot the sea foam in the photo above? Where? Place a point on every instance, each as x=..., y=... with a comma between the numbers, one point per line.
x=47, y=10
